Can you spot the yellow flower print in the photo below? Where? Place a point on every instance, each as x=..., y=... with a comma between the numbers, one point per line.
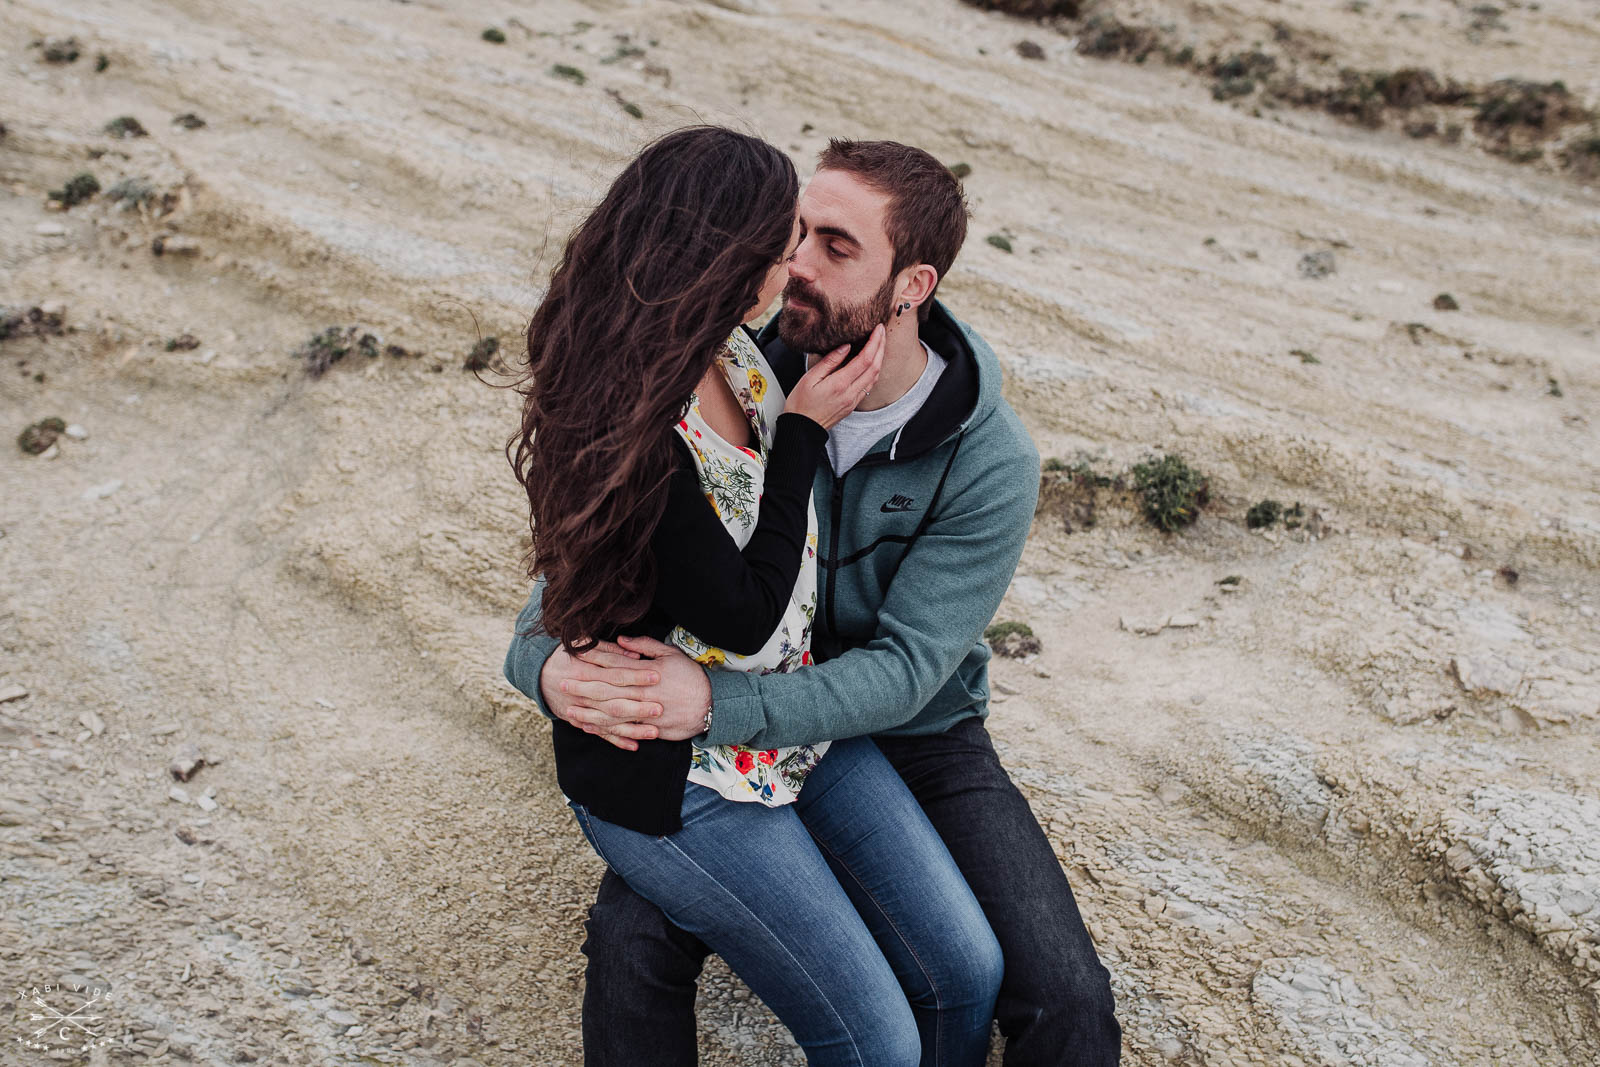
x=712, y=500
x=711, y=657
x=758, y=385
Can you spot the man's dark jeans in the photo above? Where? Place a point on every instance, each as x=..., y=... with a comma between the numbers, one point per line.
x=1055, y=1003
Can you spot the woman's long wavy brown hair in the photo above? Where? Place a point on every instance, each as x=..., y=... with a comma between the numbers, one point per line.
x=648, y=289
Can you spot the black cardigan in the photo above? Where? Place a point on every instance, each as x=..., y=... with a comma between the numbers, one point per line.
x=728, y=598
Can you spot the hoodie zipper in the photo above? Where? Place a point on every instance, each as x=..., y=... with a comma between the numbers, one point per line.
x=833, y=544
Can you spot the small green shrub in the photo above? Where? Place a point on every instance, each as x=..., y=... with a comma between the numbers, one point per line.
x=482, y=353
x=78, y=188
x=125, y=126
x=64, y=51
x=41, y=435
x=333, y=344
x=1012, y=639
x=1171, y=492
x=1263, y=513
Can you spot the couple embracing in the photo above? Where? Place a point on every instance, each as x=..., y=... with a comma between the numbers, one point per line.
x=766, y=561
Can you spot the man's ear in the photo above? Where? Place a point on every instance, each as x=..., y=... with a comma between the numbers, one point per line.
x=917, y=284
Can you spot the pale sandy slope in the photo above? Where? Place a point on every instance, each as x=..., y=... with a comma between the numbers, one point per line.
x=1349, y=816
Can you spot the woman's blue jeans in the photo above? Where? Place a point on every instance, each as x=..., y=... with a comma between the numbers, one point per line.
x=843, y=912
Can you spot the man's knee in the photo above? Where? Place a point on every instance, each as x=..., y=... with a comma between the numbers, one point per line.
x=1069, y=1008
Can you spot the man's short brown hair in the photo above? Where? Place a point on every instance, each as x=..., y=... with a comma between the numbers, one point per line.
x=927, y=216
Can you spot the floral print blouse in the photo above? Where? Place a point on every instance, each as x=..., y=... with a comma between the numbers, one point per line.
x=731, y=476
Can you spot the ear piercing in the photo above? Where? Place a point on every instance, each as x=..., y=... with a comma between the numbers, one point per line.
x=901, y=310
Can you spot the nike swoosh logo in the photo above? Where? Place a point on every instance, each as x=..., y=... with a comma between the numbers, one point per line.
x=889, y=509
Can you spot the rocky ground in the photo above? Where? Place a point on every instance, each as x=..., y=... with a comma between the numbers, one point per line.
x=1327, y=793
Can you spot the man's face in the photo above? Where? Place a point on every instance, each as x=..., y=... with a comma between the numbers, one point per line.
x=839, y=282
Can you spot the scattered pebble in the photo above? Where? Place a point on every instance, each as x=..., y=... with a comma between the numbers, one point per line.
x=76, y=432
x=50, y=229
x=9, y=693
x=1000, y=241
x=92, y=722
x=1030, y=50
x=185, y=762
x=1445, y=302
x=188, y=121
x=175, y=245
x=103, y=490
x=178, y=793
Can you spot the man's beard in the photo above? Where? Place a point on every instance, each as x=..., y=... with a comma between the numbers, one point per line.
x=820, y=326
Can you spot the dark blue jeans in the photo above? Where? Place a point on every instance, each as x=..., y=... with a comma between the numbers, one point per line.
x=1055, y=1005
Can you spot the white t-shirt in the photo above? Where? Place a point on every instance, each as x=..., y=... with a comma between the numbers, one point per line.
x=854, y=435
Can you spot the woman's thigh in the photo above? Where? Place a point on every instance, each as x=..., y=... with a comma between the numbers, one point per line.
x=749, y=881
x=901, y=877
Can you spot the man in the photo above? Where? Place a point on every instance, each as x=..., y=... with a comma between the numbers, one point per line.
x=923, y=511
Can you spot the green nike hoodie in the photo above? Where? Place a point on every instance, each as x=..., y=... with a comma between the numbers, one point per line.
x=916, y=547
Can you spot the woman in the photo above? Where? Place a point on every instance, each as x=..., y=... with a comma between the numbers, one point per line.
x=669, y=485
